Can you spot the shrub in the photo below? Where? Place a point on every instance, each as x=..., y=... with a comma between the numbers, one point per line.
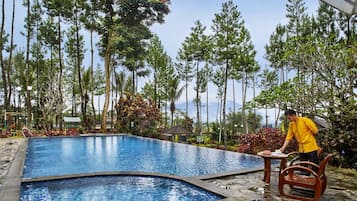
x=5, y=134
x=137, y=115
x=264, y=139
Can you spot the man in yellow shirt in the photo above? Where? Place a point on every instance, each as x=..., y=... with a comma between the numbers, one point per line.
x=303, y=130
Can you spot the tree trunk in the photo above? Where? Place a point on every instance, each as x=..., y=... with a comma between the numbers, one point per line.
x=4, y=70
x=266, y=116
x=224, y=104
x=172, y=109
x=219, y=119
x=198, y=101
x=133, y=81
x=207, y=78
x=234, y=107
x=155, y=88
x=61, y=68
x=78, y=66
x=186, y=86
x=28, y=93
x=92, y=66
x=244, y=95
x=254, y=108
x=107, y=65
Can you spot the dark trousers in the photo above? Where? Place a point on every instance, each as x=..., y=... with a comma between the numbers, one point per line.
x=312, y=157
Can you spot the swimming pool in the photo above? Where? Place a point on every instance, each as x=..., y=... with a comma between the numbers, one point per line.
x=75, y=155
x=119, y=188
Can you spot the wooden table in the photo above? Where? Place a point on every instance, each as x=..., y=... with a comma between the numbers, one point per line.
x=267, y=163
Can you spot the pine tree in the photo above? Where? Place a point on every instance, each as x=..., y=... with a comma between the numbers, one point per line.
x=227, y=28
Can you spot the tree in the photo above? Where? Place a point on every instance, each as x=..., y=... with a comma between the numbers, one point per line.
x=227, y=27
x=60, y=9
x=235, y=120
x=197, y=48
x=184, y=68
x=89, y=20
x=268, y=79
x=157, y=58
x=248, y=66
x=123, y=83
x=324, y=85
x=114, y=18
x=75, y=74
x=218, y=80
x=4, y=69
x=174, y=93
x=37, y=52
x=137, y=115
x=75, y=49
x=98, y=85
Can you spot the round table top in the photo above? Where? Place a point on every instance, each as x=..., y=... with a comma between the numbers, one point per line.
x=272, y=155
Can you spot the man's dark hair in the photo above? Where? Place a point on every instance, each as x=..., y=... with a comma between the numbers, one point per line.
x=290, y=112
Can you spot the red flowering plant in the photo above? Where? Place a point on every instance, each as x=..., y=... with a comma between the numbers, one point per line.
x=5, y=134
x=265, y=139
x=137, y=115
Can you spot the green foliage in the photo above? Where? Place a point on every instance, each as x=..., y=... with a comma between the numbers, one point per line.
x=187, y=123
x=137, y=115
x=264, y=139
x=324, y=85
x=235, y=121
x=161, y=65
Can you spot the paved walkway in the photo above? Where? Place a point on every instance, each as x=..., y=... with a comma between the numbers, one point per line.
x=342, y=186
x=342, y=183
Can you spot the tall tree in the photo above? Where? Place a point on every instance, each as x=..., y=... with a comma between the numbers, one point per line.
x=62, y=10
x=37, y=51
x=227, y=26
x=74, y=47
x=184, y=68
x=196, y=46
x=4, y=69
x=89, y=20
x=326, y=79
x=268, y=79
x=99, y=86
x=245, y=66
x=114, y=18
x=157, y=58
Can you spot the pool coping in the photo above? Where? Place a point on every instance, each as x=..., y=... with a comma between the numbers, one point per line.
x=11, y=188
x=190, y=180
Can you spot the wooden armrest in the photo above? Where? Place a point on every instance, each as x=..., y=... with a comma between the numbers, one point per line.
x=307, y=163
x=292, y=153
x=291, y=169
x=295, y=159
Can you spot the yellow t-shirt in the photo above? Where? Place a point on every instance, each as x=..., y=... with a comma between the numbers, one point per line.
x=303, y=130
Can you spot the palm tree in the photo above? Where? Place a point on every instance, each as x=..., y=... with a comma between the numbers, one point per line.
x=123, y=83
x=174, y=92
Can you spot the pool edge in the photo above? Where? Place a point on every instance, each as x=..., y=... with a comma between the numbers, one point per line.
x=190, y=180
x=11, y=186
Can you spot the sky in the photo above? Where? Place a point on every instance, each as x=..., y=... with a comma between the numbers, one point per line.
x=260, y=16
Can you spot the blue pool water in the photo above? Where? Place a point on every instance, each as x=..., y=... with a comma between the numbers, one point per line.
x=114, y=188
x=73, y=155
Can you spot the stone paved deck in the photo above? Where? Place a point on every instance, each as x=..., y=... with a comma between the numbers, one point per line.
x=342, y=183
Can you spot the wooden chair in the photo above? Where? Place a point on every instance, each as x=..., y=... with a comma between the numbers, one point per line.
x=316, y=182
x=296, y=158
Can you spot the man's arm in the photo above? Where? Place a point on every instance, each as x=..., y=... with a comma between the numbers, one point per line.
x=286, y=143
